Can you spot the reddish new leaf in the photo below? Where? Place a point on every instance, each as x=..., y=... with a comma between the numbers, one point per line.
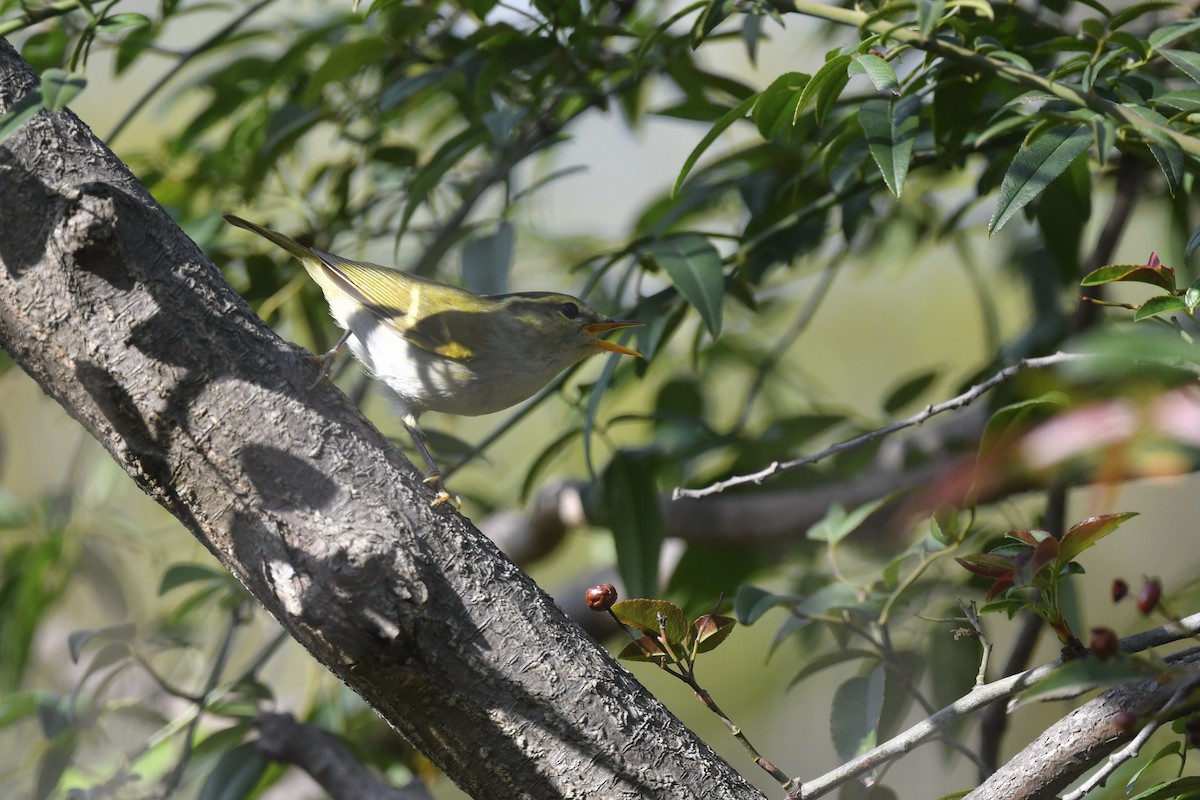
x=1088, y=532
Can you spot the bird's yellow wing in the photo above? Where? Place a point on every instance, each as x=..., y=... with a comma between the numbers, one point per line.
x=430, y=315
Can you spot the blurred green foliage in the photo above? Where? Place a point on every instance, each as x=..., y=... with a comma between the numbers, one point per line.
x=415, y=131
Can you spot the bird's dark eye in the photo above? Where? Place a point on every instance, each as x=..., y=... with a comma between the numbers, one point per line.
x=569, y=310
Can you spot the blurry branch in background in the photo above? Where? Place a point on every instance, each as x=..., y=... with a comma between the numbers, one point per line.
x=327, y=760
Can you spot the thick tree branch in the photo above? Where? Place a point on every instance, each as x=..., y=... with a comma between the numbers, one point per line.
x=118, y=316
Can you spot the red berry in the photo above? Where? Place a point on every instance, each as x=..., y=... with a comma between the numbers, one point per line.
x=1149, y=596
x=1103, y=644
x=1125, y=721
x=601, y=597
x=1119, y=589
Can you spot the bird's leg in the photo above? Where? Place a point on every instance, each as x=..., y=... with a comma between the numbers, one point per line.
x=434, y=478
x=326, y=360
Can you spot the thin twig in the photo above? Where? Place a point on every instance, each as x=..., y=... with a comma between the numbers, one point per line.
x=954, y=403
x=183, y=61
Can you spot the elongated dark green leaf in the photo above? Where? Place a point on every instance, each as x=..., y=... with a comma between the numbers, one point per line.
x=1036, y=164
x=182, y=574
x=235, y=774
x=486, y=261
x=1192, y=243
x=694, y=266
x=833, y=69
x=737, y=112
x=857, y=704
x=442, y=162
x=752, y=602
x=830, y=659
x=879, y=71
x=910, y=390
x=631, y=512
x=1187, y=786
x=891, y=128
x=777, y=103
x=1163, y=36
x=928, y=14
x=1186, y=62
x=1136, y=10
x=1166, y=150
x=1182, y=100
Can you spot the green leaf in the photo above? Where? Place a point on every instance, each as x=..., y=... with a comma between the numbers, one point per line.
x=776, y=104
x=1160, y=276
x=449, y=154
x=632, y=514
x=857, y=704
x=236, y=774
x=1036, y=164
x=737, y=112
x=181, y=574
x=879, y=71
x=110, y=633
x=929, y=12
x=1008, y=419
x=891, y=129
x=59, y=88
x=830, y=659
x=1166, y=150
x=1186, y=62
x=486, y=261
x=831, y=72
x=752, y=602
x=16, y=707
x=1192, y=243
x=1083, y=675
x=694, y=266
x=1186, y=787
x=120, y=22
x=1168, y=33
x=644, y=615
x=1168, y=750
x=21, y=112
x=1136, y=10
x=910, y=390
x=837, y=524
x=1187, y=100
x=1157, y=306
x=711, y=630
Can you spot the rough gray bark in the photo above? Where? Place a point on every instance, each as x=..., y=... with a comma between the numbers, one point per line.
x=121, y=319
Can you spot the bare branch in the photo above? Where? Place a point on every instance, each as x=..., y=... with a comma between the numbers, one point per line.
x=954, y=403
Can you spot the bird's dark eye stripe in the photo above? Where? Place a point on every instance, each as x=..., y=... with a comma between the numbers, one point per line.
x=569, y=310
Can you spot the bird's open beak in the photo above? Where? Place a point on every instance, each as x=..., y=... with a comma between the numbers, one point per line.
x=612, y=325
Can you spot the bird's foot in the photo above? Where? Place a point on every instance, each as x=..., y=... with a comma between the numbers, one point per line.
x=435, y=480
x=325, y=362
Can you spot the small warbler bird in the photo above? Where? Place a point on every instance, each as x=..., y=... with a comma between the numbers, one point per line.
x=439, y=348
